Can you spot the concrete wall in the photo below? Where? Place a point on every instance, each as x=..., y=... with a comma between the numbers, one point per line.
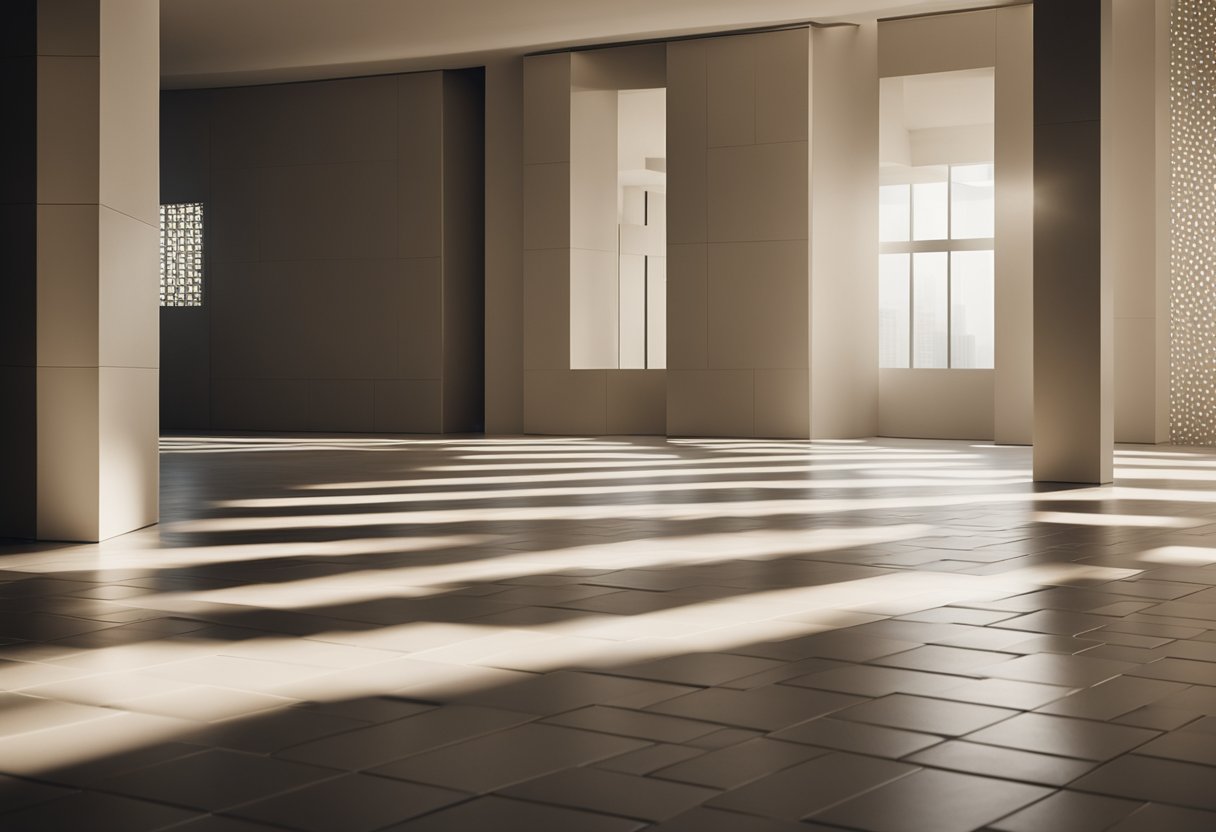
x=344, y=235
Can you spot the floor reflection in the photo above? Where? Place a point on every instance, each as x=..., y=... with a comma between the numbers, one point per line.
x=364, y=633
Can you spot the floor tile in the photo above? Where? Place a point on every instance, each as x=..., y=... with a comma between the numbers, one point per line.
x=1084, y=739
x=100, y=767
x=637, y=724
x=806, y=788
x=649, y=759
x=730, y=767
x=1148, y=778
x=724, y=738
x=717, y=820
x=844, y=646
x=702, y=669
x=96, y=813
x=504, y=815
x=933, y=716
x=1155, y=817
x=205, y=703
x=1178, y=670
x=220, y=823
x=492, y=762
x=933, y=801
x=1006, y=693
x=1007, y=763
x=1112, y=698
x=768, y=708
x=351, y=803
x=557, y=692
x=389, y=741
x=268, y=733
x=1055, y=669
x=937, y=659
x=1069, y=812
x=1055, y=622
x=611, y=792
x=1191, y=747
x=17, y=793
x=215, y=780
x=573, y=615
x=858, y=737
x=21, y=714
x=866, y=680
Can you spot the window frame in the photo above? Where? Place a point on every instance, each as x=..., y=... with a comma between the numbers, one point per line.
x=948, y=245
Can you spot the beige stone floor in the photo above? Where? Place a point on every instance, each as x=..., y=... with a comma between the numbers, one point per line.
x=349, y=634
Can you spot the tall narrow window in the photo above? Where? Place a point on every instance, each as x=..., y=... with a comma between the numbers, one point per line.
x=936, y=276
x=937, y=222
x=181, y=254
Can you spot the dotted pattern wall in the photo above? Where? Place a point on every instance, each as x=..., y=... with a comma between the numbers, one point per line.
x=181, y=254
x=1193, y=222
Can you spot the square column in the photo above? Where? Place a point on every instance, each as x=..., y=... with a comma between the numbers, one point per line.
x=1073, y=312
x=90, y=356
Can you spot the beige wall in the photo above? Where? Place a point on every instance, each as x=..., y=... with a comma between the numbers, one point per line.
x=344, y=263
x=1000, y=38
x=844, y=233
x=1139, y=206
x=738, y=331
x=504, y=281
x=937, y=404
x=569, y=247
x=80, y=292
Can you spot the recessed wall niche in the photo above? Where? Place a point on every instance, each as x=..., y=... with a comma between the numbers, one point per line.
x=618, y=229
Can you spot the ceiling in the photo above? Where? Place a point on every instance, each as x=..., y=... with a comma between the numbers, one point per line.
x=233, y=42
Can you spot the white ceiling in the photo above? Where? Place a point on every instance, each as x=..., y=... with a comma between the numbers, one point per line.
x=228, y=42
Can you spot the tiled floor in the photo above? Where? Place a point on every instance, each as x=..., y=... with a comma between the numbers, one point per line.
x=359, y=634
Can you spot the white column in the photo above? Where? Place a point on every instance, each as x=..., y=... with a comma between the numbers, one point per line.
x=97, y=256
x=844, y=232
x=1013, y=386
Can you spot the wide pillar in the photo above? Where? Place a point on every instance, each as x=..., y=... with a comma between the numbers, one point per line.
x=738, y=235
x=81, y=234
x=1073, y=314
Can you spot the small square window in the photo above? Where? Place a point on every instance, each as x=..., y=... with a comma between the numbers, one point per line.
x=181, y=254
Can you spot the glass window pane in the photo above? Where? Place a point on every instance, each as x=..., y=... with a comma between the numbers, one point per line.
x=972, y=287
x=894, y=214
x=894, y=312
x=930, y=209
x=973, y=202
x=929, y=314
